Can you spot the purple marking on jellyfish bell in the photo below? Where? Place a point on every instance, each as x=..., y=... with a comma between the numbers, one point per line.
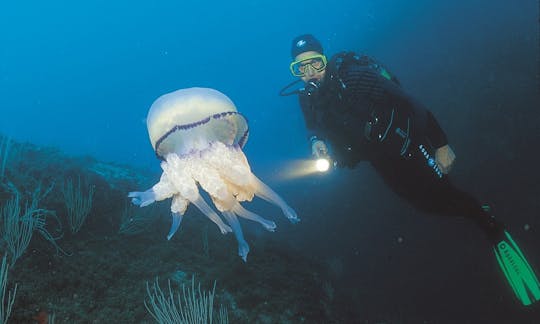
x=241, y=141
x=226, y=113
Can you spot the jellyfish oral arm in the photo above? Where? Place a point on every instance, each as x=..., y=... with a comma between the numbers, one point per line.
x=244, y=213
x=243, y=247
x=266, y=193
x=142, y=198
x=160, y=191
x=224, y=173
x=210, y=213
x=176, y=220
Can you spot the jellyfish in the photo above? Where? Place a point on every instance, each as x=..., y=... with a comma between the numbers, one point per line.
x=198, y=135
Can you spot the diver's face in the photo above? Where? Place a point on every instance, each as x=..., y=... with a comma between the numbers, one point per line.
x=309, y=67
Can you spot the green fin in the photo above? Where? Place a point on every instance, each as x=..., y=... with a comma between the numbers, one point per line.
x=385, y=74
x=517, y=270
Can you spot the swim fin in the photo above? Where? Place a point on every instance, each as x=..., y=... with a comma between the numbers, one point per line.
x=517, y=270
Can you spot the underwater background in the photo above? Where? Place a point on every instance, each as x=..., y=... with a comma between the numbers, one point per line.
x=77, y=80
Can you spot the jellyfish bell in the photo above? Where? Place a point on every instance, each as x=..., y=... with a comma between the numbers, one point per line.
x=199, y=135
x=192, y=119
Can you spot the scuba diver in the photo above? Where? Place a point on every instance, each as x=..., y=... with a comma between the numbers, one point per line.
x=356, y=110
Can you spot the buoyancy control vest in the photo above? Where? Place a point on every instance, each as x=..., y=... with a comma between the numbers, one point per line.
x=356, y=109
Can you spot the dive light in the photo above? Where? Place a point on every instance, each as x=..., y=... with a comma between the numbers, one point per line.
x=322, y=162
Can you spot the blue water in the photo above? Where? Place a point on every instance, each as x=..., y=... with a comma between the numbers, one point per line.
x=82, y=76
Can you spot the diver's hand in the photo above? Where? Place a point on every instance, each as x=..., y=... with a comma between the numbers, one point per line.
x=318, y=148
x=445, y=157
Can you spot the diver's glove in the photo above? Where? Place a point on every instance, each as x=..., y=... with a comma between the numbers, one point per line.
x=318, y=148
x=320, y=154
x=445, y=157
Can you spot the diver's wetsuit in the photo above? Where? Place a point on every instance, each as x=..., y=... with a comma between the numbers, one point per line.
x=362, y=112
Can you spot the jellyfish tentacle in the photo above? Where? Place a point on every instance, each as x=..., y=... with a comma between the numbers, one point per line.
x=162, y=190
x=178, y=208
x=176, y=220
x=142, y=198
x=243, y=247
x=266, y=193
x=210, y=213
x=242, y=212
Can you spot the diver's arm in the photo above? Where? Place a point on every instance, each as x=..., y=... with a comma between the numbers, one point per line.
x=434, y=134
x=310, y=120
x=307, y=111
x=318, y=147
x=444, y=155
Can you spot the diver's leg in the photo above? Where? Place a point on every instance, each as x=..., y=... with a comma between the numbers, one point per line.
x=517, y=270
x=436, y=194
x=418, y=183
x=461, y=203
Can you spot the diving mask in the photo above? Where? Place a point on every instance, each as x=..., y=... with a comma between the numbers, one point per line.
x=315, y=62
